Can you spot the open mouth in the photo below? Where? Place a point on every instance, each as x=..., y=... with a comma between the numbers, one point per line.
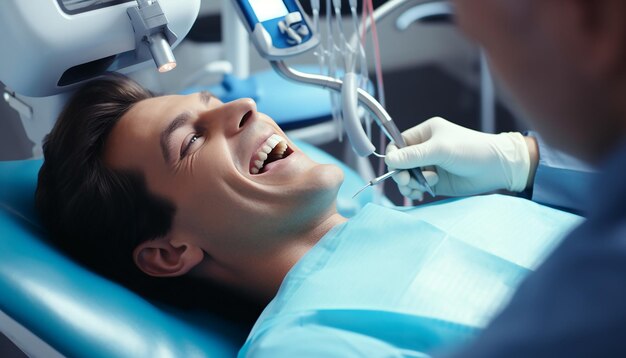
x=274, y=149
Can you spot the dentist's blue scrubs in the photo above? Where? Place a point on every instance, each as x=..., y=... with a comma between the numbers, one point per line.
x=574, y=305
x=391, y=283
x=561, y=180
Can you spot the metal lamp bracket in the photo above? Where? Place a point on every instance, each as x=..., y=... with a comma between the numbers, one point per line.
x=147, y=21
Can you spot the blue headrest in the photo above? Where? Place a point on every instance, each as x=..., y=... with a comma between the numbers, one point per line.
x=81, y=314
x=18, y=180
x=74, y=311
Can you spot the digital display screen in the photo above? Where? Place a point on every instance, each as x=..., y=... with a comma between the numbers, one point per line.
x=77, y=6
x=268, y=9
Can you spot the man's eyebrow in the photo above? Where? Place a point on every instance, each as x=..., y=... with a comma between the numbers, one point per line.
x=205, y=97
x=179, y=121
x=166, y=135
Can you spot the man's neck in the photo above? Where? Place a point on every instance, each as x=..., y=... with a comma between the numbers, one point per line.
x=263, y=275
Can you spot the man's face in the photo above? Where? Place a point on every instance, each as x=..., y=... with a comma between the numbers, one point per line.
x=200, y=154
x=534, y=48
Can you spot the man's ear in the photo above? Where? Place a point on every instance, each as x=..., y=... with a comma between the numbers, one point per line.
x=161, y=258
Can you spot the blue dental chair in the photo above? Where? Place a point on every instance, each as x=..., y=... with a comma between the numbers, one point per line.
x=52, y=307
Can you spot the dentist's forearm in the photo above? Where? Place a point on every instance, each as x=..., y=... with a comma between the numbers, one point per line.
x=533, y=151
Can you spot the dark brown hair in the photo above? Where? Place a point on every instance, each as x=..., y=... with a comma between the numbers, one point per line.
x=95, y=214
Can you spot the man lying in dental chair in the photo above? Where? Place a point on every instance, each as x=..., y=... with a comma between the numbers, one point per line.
x=144, y=189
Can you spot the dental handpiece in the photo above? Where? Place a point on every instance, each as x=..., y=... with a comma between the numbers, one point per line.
x=394, y=133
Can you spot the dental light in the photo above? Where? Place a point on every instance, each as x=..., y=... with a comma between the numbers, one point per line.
x=153, y=34
x=52, y=47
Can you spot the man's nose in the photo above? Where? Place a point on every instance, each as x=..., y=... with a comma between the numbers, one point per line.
x=232, y=116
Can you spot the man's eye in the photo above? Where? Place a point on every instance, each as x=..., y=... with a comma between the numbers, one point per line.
x=188, y=145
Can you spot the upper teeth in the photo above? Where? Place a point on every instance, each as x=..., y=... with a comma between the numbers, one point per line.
x=274, y=142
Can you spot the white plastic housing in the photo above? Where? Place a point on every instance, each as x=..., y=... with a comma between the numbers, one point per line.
x=39, y=42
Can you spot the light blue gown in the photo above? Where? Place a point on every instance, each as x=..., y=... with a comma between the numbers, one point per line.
x=407, y=282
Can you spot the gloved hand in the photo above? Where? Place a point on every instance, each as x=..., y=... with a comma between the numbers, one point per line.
x=459, y=161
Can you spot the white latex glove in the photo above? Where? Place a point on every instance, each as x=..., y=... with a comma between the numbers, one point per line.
x=459, y=161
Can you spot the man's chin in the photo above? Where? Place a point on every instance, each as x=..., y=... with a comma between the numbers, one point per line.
x=327, y=176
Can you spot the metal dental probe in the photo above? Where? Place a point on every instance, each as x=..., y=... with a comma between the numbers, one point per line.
x=376, y=181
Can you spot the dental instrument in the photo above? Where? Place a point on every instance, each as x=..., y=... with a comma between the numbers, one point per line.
x=376, y=181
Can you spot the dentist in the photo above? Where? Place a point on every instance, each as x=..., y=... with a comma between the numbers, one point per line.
x=565, y=60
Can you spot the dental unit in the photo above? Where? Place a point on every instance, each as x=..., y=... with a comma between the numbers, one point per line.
x=281, y=29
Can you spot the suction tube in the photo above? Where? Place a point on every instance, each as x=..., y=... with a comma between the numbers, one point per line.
x=351, y=119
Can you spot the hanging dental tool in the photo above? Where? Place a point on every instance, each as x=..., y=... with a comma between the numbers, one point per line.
x=280, y=29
